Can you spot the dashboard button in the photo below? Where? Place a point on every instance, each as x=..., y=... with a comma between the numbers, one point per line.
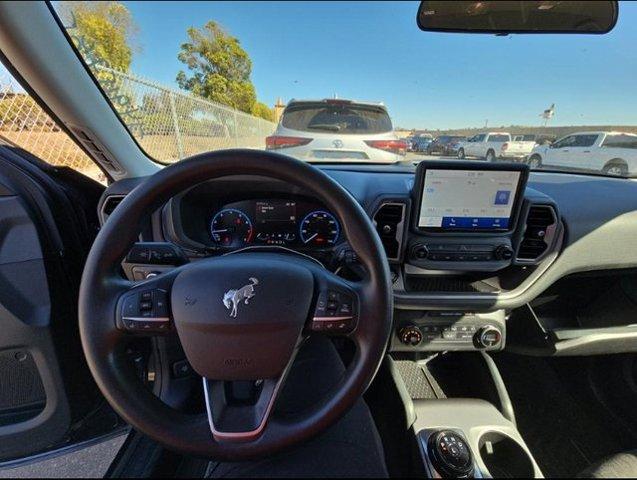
x=420, y=251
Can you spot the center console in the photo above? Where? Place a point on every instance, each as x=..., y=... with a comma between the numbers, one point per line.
x=469, y=438
x=463, y=229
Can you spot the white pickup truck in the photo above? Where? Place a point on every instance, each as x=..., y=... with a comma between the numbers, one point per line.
x=495, y=145
x=612, y=153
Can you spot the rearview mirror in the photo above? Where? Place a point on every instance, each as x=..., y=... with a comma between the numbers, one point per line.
x=504, y=17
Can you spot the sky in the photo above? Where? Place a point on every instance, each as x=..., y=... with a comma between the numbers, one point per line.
x=374, y=51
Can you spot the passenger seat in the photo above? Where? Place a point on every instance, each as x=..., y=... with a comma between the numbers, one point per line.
x=620, y=465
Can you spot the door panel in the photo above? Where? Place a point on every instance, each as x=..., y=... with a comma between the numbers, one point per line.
x=48, y=219
x=34, y=411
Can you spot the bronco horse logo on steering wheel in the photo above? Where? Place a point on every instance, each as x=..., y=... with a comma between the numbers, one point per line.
x=232, y=298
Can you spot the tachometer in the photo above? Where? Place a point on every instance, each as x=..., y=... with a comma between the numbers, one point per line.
x=231, y=228
x=319, y=229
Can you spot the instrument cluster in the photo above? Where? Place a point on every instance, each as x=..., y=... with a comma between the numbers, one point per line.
x=273, y=222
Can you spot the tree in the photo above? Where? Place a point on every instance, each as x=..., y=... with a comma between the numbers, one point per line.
x=261, y=110
x=220, y=68
x=104, y=32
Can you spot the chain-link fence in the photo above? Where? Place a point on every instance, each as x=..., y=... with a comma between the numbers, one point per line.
x=171, y=125
x=168, y=124
x=24, y=124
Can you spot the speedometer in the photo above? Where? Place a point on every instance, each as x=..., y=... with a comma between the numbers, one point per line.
x=231, y=228
x=319, y=229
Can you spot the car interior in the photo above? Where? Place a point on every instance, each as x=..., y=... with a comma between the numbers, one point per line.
x=244, y=313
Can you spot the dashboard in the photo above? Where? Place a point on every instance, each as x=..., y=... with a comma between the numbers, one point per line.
x=467, y=242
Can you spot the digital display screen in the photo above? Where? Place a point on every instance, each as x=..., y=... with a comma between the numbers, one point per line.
x=468, y=199
x=275, y=211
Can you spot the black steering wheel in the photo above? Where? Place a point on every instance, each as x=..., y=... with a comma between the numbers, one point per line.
x=239, y=317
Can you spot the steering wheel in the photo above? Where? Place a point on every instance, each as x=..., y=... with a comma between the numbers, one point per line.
x=239, y=317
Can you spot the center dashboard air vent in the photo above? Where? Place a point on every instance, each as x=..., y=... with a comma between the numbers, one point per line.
x=389, y=220
x=541, y=223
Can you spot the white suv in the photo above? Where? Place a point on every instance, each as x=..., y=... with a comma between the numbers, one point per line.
x=333, y=130
x=612, y=153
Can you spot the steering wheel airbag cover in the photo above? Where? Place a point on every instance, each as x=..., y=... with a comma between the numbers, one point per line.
x=239, y=316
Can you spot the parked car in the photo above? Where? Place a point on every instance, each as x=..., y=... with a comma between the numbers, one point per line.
x=421, y=143
x=493, y=146
x=335, y=129
x=539, y=139
x=445, y=145
x=613, y=153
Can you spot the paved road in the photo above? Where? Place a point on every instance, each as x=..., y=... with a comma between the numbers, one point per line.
x=89, y=462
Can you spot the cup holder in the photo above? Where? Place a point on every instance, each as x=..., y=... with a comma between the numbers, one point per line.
x=504, y=457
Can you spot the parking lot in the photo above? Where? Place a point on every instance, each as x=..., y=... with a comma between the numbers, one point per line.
x=414, y=157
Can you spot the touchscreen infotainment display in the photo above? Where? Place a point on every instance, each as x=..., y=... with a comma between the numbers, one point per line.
x=480, y=200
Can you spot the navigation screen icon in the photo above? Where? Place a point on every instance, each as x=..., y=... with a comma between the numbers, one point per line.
x=502, y=197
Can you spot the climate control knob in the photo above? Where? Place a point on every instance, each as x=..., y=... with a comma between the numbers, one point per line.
x=410, y=335
x=488, y=336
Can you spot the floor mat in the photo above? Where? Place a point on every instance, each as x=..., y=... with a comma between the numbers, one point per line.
x=558, y=414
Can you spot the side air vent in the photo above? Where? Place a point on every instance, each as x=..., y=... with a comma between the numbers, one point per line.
x=109, y=206
x=541, y=223
x=97, y=151
x=389, y=220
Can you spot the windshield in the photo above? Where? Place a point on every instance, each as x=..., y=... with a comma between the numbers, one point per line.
x=357, y=83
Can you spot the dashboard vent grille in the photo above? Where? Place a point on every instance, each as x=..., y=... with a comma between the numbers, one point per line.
x=109, y=206
x=540, y=223
x=389, y=221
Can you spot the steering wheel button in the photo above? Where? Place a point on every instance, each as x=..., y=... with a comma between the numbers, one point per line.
x=130, y=307
x=318, y=326
x=332, y=296
x=345, y=309
x=161, y=303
